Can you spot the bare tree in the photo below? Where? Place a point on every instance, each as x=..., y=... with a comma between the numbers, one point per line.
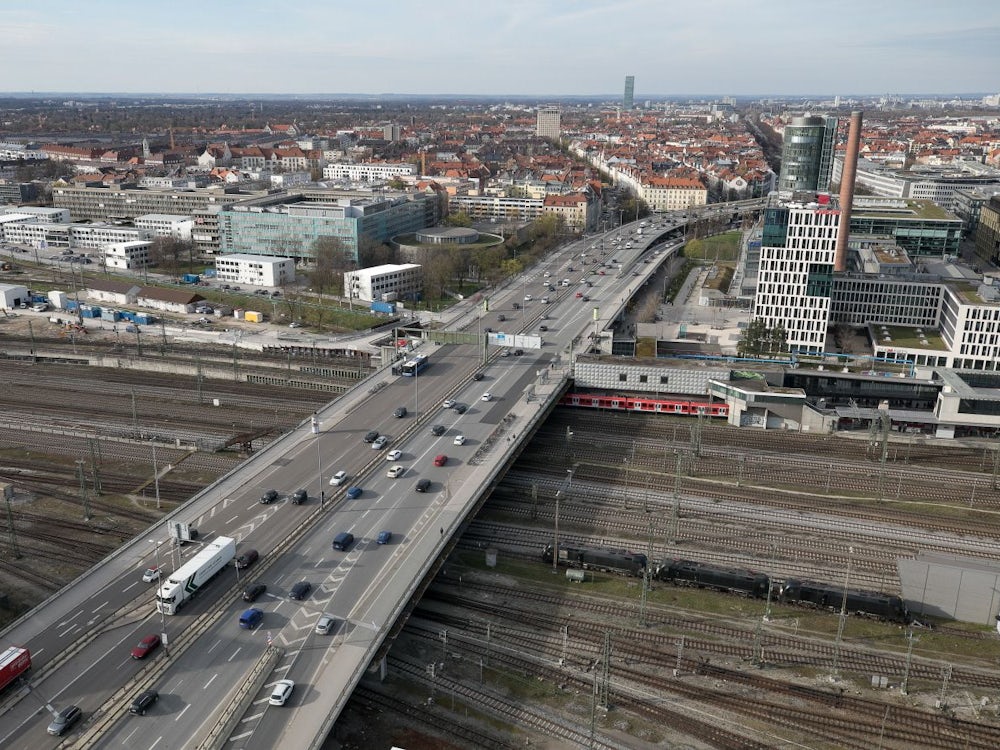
x=331, y=260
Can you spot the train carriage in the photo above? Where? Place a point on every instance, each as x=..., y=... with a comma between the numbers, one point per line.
x=646, y=405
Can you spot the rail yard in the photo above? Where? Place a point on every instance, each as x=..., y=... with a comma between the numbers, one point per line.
x=617, y=659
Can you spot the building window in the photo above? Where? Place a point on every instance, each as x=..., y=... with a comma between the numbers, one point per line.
x=622, y=377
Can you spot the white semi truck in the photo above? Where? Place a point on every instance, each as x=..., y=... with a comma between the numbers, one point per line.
x=185, y=582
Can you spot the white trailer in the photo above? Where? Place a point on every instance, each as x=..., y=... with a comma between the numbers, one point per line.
x=185, y=582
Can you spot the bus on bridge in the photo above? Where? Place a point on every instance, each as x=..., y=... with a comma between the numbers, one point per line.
x=413, y=366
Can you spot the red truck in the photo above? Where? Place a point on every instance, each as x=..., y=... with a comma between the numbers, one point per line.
x=14, y=662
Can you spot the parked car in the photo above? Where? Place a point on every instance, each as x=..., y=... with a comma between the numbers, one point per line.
x=246, y=559
x=281, y=693
x=383, y=537
x=354, y=492
x=380, y=442
x=325, y=624
x=300, y=590
x=440, y=459
x=145, y=647
x=143, y=702
x=299, y=497
x=252, y=592
x=64, y=720
x=269, y=497
x=338, y=478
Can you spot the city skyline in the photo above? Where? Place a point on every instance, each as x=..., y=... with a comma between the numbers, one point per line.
x=518, y=48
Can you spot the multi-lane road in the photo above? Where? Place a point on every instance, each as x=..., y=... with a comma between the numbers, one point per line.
x=98, y=620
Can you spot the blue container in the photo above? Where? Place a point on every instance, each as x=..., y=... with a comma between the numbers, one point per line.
x=190, y=278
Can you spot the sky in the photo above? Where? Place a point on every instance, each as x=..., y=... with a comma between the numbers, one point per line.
x=539, y=48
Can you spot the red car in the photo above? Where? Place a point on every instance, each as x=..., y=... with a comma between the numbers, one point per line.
x=145, y=646
x=579, y=294
x=440, y=460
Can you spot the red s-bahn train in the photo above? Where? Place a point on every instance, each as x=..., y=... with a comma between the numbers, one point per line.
x=677, y=405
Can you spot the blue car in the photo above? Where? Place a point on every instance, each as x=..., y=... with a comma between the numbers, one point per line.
x=353, y=492
x=384, y=537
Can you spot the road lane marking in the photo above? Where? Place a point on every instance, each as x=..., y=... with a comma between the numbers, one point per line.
x=132, y=585
x=69, y=630
x=157, y=742
x=214, y=646
x=182, y=712
x=235, y=653
x=210, y=681
x=126, y=742
x=100, y=607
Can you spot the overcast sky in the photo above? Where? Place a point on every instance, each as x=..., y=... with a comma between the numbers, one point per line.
x=510, y=47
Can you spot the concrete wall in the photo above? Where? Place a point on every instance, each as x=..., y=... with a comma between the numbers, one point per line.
x=965, y=589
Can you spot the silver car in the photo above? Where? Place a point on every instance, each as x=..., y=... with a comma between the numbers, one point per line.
x=324, y=625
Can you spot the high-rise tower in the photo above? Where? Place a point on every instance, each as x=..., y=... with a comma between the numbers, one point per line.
x=547, y=122
x=629, y=92
x=807, y=154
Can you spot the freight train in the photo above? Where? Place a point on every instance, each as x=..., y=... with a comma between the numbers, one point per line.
x=608, y=560
x=738, y=581
x=647, y=405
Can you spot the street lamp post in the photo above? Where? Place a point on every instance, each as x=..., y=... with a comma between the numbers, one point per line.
x=159, y=578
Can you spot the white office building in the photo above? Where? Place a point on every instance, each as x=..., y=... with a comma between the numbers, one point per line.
x=255, y=270
x=127, y=255
x=796, y=270
x=97, y=236
x=177, y=226
x=40, y=214
x=386, y=283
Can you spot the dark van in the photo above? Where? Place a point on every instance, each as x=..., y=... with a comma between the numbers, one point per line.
x=248, y=558
x=343, y=540
x=251, y=618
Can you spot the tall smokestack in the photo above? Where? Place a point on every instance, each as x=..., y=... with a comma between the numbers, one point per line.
x=847, y=191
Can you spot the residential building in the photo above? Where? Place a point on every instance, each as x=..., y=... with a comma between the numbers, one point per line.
x=255, y=270
x=673, y=193
x=547, y=124
x=807, y=154
x=497, y=208
x=368, y=171
x=385, y=283
x=578, y=213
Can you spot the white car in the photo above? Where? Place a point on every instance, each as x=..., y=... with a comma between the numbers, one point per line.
x=546, y=274
x=395, y=471
x=459, y=440
x=393, y=455
x=380, y=442
x=527, y=298
x=152, y=574
x=281, y=693
x=338, y=479
x=448, y=403
x=487, y=396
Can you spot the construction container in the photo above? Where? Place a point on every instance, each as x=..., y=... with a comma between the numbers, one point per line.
x=252, y=316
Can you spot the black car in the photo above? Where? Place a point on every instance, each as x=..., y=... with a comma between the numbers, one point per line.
x=438, y=429
x=501, y=317
x=253, y=591
x=478, y=376
x=371, y=436
x=518, y=352
x=400, y=412
x=269, y=497
x=300, y=590
x=65, y=720
x=543, y=328
x=246, y=559
x=299, y=497
x=143, y=701
x=461, y=408
x=423, y=485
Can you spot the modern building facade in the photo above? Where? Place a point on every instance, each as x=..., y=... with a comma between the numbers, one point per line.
x=289, y=225
x=385, y=283
x=167, y=225
x=255, y=270
x=921, y=227
x=807, y=154
x=368, y=171
x=988, y=232
x=928, y=183
x=796, y=269
x=628, y=98
x=127, y=255
x=547, y=122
